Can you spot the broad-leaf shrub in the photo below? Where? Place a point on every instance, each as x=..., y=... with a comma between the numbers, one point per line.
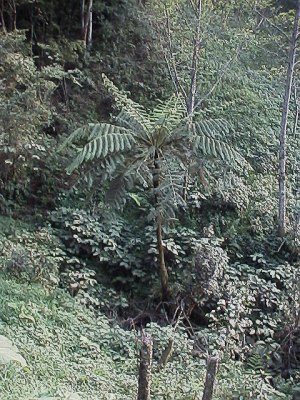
x=108, y=240
x=254, y=305
x=83, y=284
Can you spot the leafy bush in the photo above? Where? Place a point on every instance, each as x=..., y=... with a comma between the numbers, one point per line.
x=89, y=292
x=255, y=305
x=101, y=237
x=27, y=154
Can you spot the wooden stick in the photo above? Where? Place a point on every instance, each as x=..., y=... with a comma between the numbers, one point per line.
x=145, y=367
x=211, y=370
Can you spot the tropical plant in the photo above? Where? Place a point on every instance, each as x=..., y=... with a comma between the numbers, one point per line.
x=148, y=150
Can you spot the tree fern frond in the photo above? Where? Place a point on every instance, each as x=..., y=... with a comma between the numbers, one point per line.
x=103, y=145
x=102, y=129
x=217, y=127
x=169, y=113
x=79, y=134
x=205, y=140
x=130, y=108
x=119, y=186
x=109, y=166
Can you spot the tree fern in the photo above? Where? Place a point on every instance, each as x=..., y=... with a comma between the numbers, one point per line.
x=151, y=150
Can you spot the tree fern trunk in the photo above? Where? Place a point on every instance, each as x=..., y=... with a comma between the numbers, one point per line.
x=283, y=128
x=164, y=278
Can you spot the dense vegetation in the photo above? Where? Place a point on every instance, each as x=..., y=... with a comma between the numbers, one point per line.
x=139, y=158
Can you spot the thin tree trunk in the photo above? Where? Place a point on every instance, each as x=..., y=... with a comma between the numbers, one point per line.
x=164, y=278
x=145, y=368
x=194, y=67
x=82, y=16
x=90, y=33
x=87, y=18
x=14, y=13
x=2, y=17
x=191, y=98
x=283, y=128
x=296, y=117
x=211, y=370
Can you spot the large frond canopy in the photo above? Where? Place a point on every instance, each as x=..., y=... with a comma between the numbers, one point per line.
x=140, y=146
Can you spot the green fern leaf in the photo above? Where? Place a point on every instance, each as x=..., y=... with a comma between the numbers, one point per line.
x=205, y=140
x=104, y=142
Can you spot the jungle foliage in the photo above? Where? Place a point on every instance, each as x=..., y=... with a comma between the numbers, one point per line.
x=155, y=217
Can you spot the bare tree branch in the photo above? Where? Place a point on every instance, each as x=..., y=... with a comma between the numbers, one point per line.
x=296, y=109
x=194, y=66
x=175, y=77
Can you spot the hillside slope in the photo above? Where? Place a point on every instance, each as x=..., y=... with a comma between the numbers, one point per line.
x=71, y=351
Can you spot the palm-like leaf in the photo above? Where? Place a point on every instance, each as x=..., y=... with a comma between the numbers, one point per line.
x=209, y=136
x=103, y=140
x=168, y=114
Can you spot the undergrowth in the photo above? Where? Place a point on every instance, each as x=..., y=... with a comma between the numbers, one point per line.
x=69, y=350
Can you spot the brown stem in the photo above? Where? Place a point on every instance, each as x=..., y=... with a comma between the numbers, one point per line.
x=145, y=368
x=167, y=353
x=211, y=370
x=162, y=266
